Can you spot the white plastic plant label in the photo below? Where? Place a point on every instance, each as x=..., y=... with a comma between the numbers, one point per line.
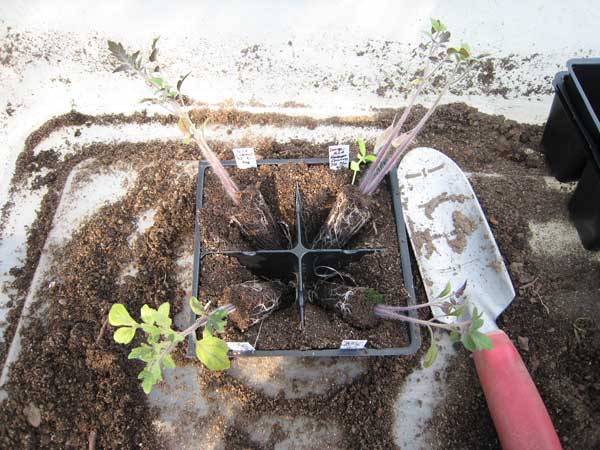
x=339, y=157
x=353, y=344
x=240, y=347
x=245, y=158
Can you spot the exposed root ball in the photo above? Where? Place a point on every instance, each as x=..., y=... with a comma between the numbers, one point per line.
x=253, y=301
x=255, y=221
x=349, y=214
x=353, y=304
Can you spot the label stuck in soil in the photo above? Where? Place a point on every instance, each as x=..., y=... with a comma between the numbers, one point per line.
x=353, y=344
x=245, y=158
x=339, y=157
x=240, y=347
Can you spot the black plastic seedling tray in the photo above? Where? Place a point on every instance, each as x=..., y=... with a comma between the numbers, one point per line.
x=298, y=263
x=571, y=143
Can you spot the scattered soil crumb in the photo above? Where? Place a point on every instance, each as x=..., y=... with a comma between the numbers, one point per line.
x=432, y=204
x=463, y=227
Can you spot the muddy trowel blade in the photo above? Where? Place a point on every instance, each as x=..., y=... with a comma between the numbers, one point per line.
x=450, y=236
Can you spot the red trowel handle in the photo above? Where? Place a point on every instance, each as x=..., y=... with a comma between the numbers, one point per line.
x=519, y=414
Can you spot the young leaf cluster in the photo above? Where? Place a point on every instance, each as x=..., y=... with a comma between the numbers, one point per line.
x=449, y=63
x=150, y=72
x=161, y=339
x=170, y=98
x=374, y=296
x=467, y=331
x=362, y=158
x=211, y=350
x=465, y=328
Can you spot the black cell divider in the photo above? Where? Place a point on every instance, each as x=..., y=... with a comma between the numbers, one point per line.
x=298, y=263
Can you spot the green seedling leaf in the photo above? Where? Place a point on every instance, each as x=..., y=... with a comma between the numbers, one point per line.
x=431, y=355
x=155, y=370
x=168, y=362
x=457, y=311
x=370, y=158
x=446, y=291
x=143, y=352
x=148, y=379
x=361, y=147
x=134, y=59
x=173, y=336
x=157, y=81
x=197, y=307
x=355, y=166
x=465, y=50
x=153, y=331
x=437, y=26
x=124, y=335
x=212, y=352
x=147, y=384
x=467, y=341
x=119, y=316
x=118, y=51
x=181, y=80
x=454, y=336
x=148, y=315
x=187, y=140
x=477, y=321
x=374, y=296
x=481, y=341
x=162, y=316
x=216, y=322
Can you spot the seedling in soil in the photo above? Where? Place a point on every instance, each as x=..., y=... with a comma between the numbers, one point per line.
x=580, y=328
x=453, y=304
x=162, y=339
x=443, y=62
x=374, y=296
x=363, y=158
x=253, y=216
x=353, y=304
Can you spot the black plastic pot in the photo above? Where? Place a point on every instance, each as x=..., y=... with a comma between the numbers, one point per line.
x=298, y=263
x=563, y=142
x=571, y=142
x=584, y=207
x=583, y=87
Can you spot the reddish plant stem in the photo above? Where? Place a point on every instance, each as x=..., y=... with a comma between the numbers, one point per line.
x=383, y=152
x=411, y=135
x=384, y=312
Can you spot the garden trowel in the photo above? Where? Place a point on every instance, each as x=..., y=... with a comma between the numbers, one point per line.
x=453, y=243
